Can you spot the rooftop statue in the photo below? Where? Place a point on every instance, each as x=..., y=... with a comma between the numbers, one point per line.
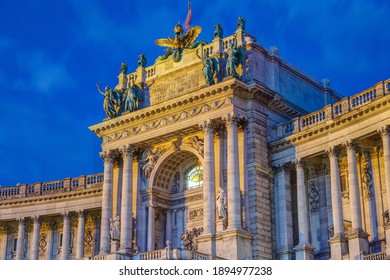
x=235, y=57
x=218, y=32
x=210, y=67
x=123, y=69
x=180, y=42
x=112, y=101
x=142, y=61
x=132, y=95
x=241, y=23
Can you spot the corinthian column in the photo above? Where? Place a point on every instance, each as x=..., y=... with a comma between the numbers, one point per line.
x=80, y=234
x=208, y=178
x=357, y=239
x=20, y=244
x=108, y=159
x=35, y=238
x=233, y=177
x=304, y=251
x=127, y=200
x=338, y=245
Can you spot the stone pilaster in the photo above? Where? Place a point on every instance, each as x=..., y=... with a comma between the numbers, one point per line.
x=338, y=242
x=35, y=238
x=169, y=226
x=357, y=239
x=304, y=250
x=151, y=216
x=233, y=177
x=385, y=134
x=127, y=200
x=65, y=236
x=80, y=234
x=283, y=214
x=20, y=243
x=108, y=158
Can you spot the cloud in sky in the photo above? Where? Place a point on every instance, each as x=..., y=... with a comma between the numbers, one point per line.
x=41, y=74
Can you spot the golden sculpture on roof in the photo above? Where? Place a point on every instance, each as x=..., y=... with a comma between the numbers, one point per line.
x=180, y=42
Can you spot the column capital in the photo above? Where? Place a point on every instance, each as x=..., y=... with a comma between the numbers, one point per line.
x=232, y=118
x=21, y=221
x=208, y=126
x=126, y=150
x=350, y=145
x=36, y=219
x=107, y=156
x=384, y=131
x=65, y=215
x=299, y=163
x=81, y=213
x=333, y=151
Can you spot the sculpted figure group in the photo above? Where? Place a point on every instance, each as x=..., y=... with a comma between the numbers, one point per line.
x=120, y=101
x=128, y=98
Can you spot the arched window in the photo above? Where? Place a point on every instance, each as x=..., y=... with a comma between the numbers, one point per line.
x=194, y=177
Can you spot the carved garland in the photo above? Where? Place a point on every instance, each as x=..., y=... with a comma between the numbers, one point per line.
x=165, y=121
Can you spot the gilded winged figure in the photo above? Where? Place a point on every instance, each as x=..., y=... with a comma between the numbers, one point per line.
x=180, y=41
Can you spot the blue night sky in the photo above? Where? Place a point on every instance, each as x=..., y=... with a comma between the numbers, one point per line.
x=52, y=53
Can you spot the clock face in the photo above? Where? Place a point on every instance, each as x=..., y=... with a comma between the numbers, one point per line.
x=194, y=177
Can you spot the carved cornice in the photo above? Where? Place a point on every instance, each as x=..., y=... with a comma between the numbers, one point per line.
x=166, y=120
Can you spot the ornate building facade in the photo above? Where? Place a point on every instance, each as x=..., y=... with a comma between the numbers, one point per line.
x=218, y=150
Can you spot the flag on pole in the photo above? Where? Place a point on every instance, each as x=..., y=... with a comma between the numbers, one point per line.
x=189, y=16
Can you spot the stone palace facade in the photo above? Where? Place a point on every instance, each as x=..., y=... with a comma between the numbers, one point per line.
x=218, y=150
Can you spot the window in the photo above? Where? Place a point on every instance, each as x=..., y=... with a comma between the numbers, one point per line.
x=194, y=177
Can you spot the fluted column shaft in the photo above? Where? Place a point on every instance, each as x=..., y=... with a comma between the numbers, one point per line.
x=233, y=177
x=208, y=178
x=20, y=244
x=127, y=199
x=303, y=221
x=151, y=228
x=337, y=206
x=35, y=238
x=65, y=237
x=80, y=235
x=385, y=133
x=106, y=203
x=354, y=196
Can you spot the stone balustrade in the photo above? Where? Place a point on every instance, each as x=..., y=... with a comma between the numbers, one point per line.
x=374, y=257
x=46, y=188
x=342, y=107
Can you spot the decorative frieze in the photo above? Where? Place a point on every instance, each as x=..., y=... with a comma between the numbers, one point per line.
x=138, y=129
